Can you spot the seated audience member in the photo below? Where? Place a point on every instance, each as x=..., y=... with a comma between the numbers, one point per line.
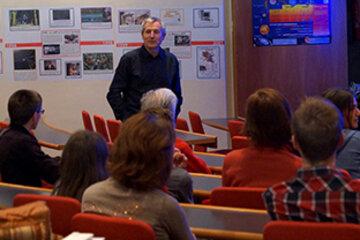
x=180, y=182
x=320, y=191
x=83, y=163
x=348, y=156
x=21, y=159
x=140, y=163
x=268, y=159
x=165, y=98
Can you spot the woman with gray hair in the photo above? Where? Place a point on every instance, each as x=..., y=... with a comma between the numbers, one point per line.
x=164, y=98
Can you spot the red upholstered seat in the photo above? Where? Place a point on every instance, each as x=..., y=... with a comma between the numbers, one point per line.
x=285, y=230
x=114, y=128
x=182, y=124
x=100, y=126
x=197, y=127
x=238, y=142
x=241, y=197
x=112, y=228
x=87, y=121
x=236, y=127
x=62, y=209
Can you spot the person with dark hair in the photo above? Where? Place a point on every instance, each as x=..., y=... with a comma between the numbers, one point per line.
x=268, y=159
x=320, y=191
x=140, y=163
x=83, y=163
x=21, y=159
x=143, y=69
x=348, y=156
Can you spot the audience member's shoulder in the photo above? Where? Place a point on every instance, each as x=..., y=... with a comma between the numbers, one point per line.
x=355, y=185
x=279, y=188
x=181, y=175
x=169, y=203
x=237, y=153
x=355, y=134
x=19, y=134
x=96, y=187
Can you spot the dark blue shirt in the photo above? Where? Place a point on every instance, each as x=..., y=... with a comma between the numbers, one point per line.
x=138, y=72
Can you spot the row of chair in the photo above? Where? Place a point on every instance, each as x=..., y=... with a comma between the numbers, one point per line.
x=66, y=217
x=109, y=129
x=235, y=127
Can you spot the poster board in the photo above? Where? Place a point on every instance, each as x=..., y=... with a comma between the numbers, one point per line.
x=86, y=42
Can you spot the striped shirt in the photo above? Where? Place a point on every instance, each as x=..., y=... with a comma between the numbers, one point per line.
x=321, y=194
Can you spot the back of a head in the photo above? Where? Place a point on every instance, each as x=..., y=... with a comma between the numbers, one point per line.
x=83, y=163
x=22, y=105
x=141, y=157
x=317, y=126
x=268, y=118
x=342, y=99
x=162, y=98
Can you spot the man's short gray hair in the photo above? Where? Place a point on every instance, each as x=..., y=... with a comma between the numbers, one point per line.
x=152, y=20
x=160, y=98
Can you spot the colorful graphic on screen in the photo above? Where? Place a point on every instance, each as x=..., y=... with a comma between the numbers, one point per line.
x=291, y=22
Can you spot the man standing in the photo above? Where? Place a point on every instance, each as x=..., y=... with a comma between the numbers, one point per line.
x=146, y=68
x=21, y=159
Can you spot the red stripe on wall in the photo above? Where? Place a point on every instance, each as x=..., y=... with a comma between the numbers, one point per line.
x=129, y=44
x=93, y=43
x=199, y=43
x=19, y=45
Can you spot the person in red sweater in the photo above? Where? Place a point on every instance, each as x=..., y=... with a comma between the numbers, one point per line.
x=166, y=99
x=268, y=159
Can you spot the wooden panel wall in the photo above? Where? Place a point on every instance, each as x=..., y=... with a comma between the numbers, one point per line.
x=296, y=71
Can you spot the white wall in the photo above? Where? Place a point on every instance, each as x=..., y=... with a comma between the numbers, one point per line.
x=64, y=100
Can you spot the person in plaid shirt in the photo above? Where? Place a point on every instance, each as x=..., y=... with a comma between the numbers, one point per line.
x=320, y=191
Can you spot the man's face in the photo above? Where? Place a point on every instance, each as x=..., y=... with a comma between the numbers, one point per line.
x=37, y=116
x=152, y=35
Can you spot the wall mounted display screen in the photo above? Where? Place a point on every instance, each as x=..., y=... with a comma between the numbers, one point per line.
x=291, y=22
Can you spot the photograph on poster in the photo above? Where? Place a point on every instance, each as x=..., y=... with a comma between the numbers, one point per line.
x=25, y=59
x=73, y=69
x=172, y=16
x=206, y=17
x=61, y=42
x=179, y=43
x=22, y=20
x=61, y=17
x=96, y=17
x=51, y=49
x=130, y=19
x=71, y=38
x=182, y=39
x=208, y=62
x=50, y=66
x=95, y=63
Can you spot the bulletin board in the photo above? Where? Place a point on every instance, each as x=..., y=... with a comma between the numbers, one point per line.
x=86, y=42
